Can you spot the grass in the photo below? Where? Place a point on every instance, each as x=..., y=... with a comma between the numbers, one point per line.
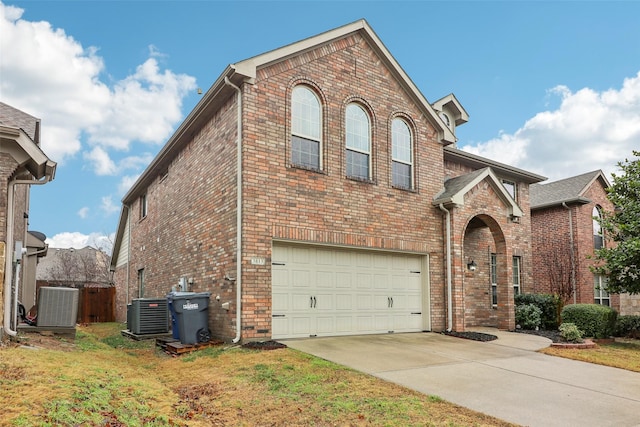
x=620, y=354
x=106, y=379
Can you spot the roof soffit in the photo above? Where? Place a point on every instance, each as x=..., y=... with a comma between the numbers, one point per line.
x=26, y=152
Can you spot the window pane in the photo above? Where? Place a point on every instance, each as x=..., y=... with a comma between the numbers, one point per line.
x=510, y=187
x=305, y=153
x=401, y=141
x=357, y=129
x=401, y=175
x=305, y=113
x=357, y=165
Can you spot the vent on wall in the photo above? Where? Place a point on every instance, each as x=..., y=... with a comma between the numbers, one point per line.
x=148, y=316
x=57, y=307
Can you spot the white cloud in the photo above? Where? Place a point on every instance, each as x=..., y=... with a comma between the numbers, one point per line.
x=50, y=75
x=83, y=212
x=590, y=130
x=102, y=163
x=108, y=207
x=78, y=241
x=125, y=184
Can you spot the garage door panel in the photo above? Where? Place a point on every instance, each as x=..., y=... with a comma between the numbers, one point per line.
x=333, y=291
x=325, y=279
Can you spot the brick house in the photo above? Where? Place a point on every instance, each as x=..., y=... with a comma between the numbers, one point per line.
x=565, y=235
x=22, y=164
x=357, y=213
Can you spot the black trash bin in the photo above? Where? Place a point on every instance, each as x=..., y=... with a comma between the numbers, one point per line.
x=175, y=330
x=192, y=315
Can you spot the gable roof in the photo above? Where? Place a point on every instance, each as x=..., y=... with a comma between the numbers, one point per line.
x=20, y=137
x=456, y=188
x=568, y=190
x=246, y=70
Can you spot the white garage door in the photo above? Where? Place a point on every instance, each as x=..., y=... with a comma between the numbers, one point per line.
x=321, y=291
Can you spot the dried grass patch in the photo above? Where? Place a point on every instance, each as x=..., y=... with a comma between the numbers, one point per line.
x=623, y=354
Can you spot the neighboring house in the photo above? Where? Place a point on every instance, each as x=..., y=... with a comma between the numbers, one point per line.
x=22, y=164
x=565, y=233
x=86, y=269
x=357, y=214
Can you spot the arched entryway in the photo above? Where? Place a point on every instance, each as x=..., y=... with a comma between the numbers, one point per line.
x=487, y=292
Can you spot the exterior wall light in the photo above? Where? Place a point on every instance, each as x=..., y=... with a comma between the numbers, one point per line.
x=471, y=265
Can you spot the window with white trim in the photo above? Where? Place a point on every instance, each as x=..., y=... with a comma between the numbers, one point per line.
x=600, y=295
x=517, y=262
x=494, y=279
x=598, y=236
x=401, y=155
x=358, y=143
x=306, y=129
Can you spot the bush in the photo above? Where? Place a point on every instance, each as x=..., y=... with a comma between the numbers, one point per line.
x=548, y=304
x=528, y=316
x=594, y=320
x=570, y=332
x=627, y=326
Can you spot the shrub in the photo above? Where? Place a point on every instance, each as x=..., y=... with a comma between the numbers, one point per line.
x=627, y=326
x=570, y=332
x=594, y=320
x=547, y=303
x=528, y=316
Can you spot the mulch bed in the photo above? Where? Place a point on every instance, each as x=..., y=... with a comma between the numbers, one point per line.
x=554, y=336
x=475, y=336
x=263, y=345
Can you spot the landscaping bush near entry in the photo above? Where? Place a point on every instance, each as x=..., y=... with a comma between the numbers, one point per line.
x=627, y=326
x=548, y=305
x=570, y=332
x=528, y=316
x=594, y=320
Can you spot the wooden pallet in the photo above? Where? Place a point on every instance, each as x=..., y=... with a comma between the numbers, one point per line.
x=175, y=347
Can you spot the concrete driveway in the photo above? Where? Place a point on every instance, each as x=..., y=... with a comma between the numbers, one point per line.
x=505, y=378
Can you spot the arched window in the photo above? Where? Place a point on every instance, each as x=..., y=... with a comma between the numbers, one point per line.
x=306, y=129
x=401, y=154
x=598, y=237
x=358, y=142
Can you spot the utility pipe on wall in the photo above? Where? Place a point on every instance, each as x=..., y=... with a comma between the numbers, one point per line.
x=8, y=269
x=238, y=216
x=449, y=284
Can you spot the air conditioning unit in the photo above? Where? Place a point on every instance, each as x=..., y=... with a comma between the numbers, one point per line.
x=57, y=307
x=148, y=316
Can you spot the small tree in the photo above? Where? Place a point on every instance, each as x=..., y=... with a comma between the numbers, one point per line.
x=621, y=262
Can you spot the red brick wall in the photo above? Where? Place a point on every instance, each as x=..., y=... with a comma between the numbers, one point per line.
x=189, y=230
x=551, y=234
x=285, y=202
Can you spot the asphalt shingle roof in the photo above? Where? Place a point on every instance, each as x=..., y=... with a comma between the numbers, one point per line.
x=565, y=190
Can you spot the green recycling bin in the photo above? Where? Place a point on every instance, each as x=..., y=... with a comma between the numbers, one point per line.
x=192, y=315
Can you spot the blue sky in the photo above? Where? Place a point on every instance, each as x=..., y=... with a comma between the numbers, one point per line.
x=550, y=87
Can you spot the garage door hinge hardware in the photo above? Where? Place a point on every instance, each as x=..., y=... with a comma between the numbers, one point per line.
x=390, y=302
x=414, y=271
x=277, y=315
x=312, y=302
x=277, y=263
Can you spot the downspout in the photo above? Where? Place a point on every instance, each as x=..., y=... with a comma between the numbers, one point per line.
x=449, y=285
x=573, y=265
x=238, y=216
x=8, y=269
